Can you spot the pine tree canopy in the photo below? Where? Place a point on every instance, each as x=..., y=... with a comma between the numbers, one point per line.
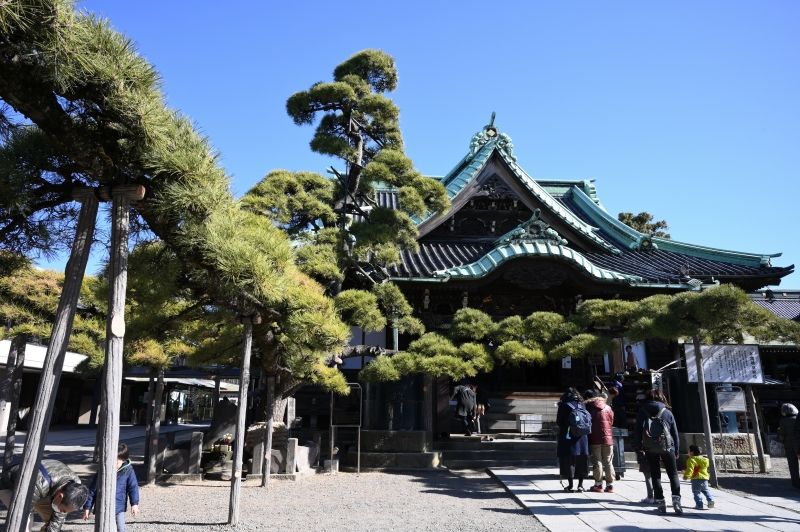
x=643, y=222
x=94, y=108
x=28, y=300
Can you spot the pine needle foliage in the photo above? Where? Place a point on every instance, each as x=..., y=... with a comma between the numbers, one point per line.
x=28, y=301
x=477, y=344
x=98, y=117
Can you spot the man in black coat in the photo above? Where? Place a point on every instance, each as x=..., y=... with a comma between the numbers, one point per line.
x=464, y=395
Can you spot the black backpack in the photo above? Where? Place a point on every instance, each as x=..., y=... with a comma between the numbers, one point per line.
x=656, y=436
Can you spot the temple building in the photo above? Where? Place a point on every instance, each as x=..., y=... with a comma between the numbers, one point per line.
x=511, y=245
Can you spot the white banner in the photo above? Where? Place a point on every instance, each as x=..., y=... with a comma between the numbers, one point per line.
x=726, y=363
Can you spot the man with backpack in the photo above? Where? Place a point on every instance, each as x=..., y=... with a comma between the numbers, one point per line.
x=464, y=395
x=656, y=435
x=574, y=426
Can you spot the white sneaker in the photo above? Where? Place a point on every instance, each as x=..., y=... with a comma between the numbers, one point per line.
x=649, y=501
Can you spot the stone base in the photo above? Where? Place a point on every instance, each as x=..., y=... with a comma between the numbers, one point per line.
x=733, y=444
x=370, y=460
x=401, y=441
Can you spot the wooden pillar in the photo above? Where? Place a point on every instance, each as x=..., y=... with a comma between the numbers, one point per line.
x=701, y=390
x=42, y=410
x=270, y=411
x=215, y=399
x=17, y=351
x=238, y=452
x=751, y=405
x=155, y=428
x=111, y=395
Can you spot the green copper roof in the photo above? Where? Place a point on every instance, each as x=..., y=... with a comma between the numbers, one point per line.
x=505, y=252
x=634, y=239
x=481, y=148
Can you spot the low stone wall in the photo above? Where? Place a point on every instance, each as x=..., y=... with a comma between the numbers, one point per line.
x=400, y=441
x=394, y=460
x=733, y=451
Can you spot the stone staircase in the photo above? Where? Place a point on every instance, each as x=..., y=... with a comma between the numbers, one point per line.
x=501, y=417
x=461, y=452
x=509, y=447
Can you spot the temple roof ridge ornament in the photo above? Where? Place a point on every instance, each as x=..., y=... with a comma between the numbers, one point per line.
x=489, y=133
x=534, y=230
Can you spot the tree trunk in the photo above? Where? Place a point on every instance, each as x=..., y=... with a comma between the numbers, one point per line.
x=241, y=411
x=42, y=410
x=701, y=390
x=155, y=428
x=17, y=351
x=105, y=519
x=270, y=413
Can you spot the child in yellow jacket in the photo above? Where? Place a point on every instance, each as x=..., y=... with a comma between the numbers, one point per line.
x=697, y=471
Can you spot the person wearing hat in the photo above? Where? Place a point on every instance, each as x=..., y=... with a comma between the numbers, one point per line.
x=787, y=432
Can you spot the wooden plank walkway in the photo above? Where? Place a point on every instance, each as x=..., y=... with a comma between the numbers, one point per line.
x=539, y=490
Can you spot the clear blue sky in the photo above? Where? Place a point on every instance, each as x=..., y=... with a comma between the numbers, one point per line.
x=688, y=110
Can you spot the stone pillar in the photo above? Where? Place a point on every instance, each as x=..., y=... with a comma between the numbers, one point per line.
x=291, y=456
x=258, y=458
x=195, y=452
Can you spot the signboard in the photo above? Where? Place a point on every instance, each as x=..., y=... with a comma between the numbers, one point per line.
x=731, y=400
x=726, y=363
x=566, y=363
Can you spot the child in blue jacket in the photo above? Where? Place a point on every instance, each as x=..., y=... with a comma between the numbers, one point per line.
x=127, y=488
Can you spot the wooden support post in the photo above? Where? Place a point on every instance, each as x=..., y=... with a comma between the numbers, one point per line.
x=751, y=405
x=701, y=390
x=215, y=400
x=155, y=429
x=111, y=396
x=42, y=410
x=241, y=411
x=17, y=351
x=270, y=411
x=151, y=388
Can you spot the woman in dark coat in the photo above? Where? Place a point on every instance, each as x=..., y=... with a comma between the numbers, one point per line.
x=573, y=453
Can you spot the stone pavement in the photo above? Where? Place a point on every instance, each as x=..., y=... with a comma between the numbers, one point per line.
x=539, y=490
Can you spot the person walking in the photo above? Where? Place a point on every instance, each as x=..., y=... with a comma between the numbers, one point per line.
x=788, y=433
x=697, y=471
x=465, y=406
x=57, y=493
x=127, y=489
x=657, y=435
x=574, y=426
x=601, y=441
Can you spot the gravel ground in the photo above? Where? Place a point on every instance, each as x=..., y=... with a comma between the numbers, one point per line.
x=345, y=502
x=774, y=483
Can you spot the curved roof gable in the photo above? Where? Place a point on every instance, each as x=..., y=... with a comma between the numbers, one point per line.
x=484, y=144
